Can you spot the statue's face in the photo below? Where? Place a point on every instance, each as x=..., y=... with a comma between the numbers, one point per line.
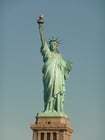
x=53, y=46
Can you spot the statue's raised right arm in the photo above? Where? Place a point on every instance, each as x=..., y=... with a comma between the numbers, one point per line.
x=40, y=21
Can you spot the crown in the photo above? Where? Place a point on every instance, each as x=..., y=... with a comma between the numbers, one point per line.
x=55, y=40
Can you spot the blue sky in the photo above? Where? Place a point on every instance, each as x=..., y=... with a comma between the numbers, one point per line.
x=80, y=26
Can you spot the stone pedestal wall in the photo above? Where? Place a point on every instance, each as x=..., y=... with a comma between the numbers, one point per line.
x=51, y=128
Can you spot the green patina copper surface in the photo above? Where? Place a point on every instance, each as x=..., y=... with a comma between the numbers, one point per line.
x=55, y=71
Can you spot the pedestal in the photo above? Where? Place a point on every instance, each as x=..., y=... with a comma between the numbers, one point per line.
x=51, y=128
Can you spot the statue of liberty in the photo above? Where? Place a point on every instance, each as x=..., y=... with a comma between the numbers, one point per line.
x=55, y=71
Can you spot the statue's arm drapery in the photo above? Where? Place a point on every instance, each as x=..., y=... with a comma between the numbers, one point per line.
x=44, y=48
x=40, y=21
x=42, y=35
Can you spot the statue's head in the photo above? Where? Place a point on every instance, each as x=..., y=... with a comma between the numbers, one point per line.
x=54, y=45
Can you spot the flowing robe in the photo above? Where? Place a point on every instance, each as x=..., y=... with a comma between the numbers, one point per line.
x=55, y=71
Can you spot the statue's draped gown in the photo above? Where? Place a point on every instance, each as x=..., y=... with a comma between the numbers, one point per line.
x=55, y=71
